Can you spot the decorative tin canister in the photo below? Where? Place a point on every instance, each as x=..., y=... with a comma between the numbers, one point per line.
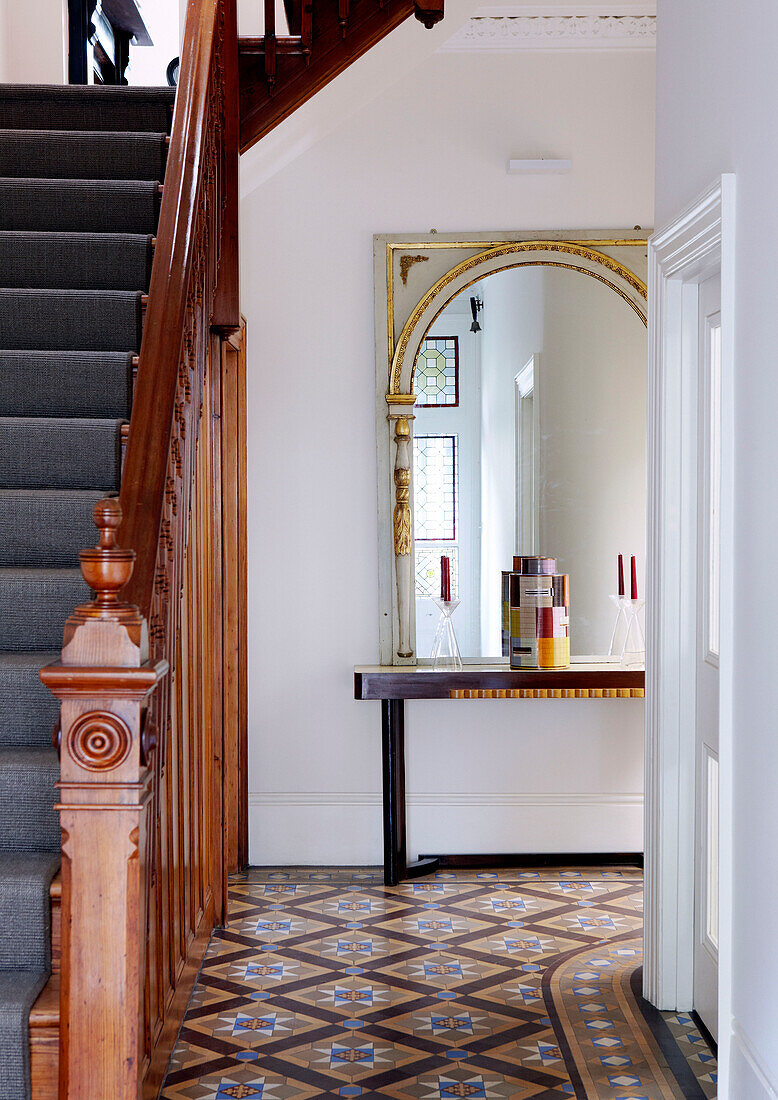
x=535, y=614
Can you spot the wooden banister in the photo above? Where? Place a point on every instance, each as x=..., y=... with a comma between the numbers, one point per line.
x=146, y=846
x=192, y=153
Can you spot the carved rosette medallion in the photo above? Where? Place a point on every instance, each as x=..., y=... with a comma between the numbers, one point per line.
x=99, y=741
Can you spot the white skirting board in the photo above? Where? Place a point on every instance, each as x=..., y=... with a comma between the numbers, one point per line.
x=294, y=828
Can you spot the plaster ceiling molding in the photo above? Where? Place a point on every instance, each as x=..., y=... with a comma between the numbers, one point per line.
x=579, y=28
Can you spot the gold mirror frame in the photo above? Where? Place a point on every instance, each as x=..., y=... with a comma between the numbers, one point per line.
x=588, y=253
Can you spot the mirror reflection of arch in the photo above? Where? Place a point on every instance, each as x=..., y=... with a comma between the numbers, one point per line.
x=585, y=341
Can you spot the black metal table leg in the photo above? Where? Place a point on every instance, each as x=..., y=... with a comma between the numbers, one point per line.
x=393, y=743
x=396, y=866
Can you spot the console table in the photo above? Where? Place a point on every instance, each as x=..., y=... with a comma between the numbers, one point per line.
x=393, y=684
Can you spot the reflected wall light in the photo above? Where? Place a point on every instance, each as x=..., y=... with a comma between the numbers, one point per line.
x=476, y=305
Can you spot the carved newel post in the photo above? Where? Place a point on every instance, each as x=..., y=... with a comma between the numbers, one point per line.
x=103, y=681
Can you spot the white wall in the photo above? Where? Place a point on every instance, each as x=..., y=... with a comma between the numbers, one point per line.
x=591, y=391
x=716, y=113
x=512, y=321
x=33, y=41
x=409, y=151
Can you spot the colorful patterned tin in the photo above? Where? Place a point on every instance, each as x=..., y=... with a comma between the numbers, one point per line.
x=536, y=614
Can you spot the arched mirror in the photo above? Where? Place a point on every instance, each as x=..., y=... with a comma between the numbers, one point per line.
x=513, y=422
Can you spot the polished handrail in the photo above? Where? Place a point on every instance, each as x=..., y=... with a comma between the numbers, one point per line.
x=145, y=467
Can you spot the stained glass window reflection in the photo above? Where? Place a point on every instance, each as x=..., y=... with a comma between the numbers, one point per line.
x=428, y=570
x=435, y=487
x=437, y=372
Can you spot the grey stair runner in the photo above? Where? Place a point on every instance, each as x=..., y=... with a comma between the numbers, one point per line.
x=72, y=383
x=81, y=320
x=98, y=261
x=37, y=451
x=87, y=206
x=27, y=709
x=80, y=172
x=82, y=155
x=53, y=107
x=45, y=527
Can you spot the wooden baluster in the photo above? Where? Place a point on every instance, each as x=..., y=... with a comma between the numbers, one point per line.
x=226, y=307
x=343, y=10
x=103, y=682
x=306, y=29
x=270, y=44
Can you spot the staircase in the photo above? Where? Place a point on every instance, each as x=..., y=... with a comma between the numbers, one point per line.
x=278, y=74
x=119, y=303
x=80, y=178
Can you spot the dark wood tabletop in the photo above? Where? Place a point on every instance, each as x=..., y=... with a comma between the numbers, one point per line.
x=423, y=682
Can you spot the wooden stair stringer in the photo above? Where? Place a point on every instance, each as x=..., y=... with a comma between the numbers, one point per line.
x=44, y=1015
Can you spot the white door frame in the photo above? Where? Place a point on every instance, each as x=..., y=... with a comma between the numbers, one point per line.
x=697, y=244
x=527, y=524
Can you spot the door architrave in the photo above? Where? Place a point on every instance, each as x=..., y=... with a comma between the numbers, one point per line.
x=694, y=246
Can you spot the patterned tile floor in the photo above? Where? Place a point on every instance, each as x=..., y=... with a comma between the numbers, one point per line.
x=491, y=984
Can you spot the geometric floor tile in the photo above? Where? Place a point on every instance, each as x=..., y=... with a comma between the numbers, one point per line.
x=501, y=984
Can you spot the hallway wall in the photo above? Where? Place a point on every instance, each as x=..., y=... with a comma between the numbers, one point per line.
x=418, y=148
x=716, y=113
x=32, y=41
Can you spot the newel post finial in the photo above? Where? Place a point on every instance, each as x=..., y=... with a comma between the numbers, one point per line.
x=107, y=568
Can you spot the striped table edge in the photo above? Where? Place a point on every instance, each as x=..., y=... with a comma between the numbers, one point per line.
x=551, y=693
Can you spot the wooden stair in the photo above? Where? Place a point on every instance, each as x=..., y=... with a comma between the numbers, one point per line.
x=278, y=74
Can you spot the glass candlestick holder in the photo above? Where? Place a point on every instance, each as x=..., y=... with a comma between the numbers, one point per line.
x=445, y=649
x=619, y=632
x=634, y=650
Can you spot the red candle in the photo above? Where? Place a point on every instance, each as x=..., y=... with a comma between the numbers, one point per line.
x=634, y=588
x=445, y=579
x=621, y=574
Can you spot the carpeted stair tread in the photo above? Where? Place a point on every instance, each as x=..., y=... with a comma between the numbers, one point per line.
x=28, y=710
x=39, y=452
x=27, y=778
x=18, y=992
x=70, y=261
x=76, y=205
x=73, y=107
x=46, y=527
x=78, y=320
x=59, y=154
x=67, y=383
x=25, y=909
x=35, y=602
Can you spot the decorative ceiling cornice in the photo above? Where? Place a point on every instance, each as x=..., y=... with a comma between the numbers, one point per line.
x=582, y=28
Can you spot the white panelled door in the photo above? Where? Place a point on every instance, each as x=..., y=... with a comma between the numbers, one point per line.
x=706, y=914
